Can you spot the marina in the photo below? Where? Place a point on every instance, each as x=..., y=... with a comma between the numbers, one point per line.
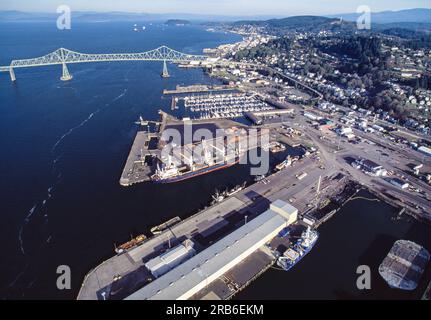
x=219, y=106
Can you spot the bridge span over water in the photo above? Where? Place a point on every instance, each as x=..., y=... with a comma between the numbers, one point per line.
x=64, y=56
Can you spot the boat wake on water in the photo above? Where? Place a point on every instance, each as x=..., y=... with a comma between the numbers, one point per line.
x=42, y=205
x=21, y=230
x=19, y=275
x=70, y=131
x=83, y=122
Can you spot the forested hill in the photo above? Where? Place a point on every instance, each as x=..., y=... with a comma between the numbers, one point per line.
x=305, y=23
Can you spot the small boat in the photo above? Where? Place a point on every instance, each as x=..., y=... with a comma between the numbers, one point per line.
x=238, y=188
x=165, y=225
x=218, y=197
x=278, y=147
x=142, y=122
x=259, y=178
x=130, y=244
x=286, y=163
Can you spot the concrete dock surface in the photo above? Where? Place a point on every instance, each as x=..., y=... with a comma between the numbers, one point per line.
x=121, y=274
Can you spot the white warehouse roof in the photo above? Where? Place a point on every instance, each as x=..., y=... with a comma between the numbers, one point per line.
x=283, y=208
x=170, y=259
x=194, y=274
x=425, y=150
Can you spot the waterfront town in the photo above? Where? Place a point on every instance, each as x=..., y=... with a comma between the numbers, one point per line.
x=358, y=127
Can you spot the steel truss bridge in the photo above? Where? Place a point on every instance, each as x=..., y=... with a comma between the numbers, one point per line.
x=64, y=56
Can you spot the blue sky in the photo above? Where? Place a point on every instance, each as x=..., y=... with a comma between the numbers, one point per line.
x=219, y=7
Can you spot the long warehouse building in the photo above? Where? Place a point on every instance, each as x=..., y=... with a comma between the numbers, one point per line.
x=196, y=273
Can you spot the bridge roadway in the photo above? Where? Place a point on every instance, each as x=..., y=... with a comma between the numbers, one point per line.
x=251, y=201
x=64, y=56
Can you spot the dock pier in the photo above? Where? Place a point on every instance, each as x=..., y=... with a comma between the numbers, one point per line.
x=138, y=166
x=204, y=228
x=197, y=88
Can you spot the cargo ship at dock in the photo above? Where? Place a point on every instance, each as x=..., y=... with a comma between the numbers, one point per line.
x=161, y=158
x=173, y=174
x=299, y=250
x=208, y=155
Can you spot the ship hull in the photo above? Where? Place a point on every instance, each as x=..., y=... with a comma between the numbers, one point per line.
x=306, y=251
x=196, y=173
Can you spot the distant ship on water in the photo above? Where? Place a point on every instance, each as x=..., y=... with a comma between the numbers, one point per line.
x=136, y=29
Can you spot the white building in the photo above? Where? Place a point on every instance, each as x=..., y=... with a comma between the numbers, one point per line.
x=347, y=120
x=364, y=111
x=378, y=128
x=399, y=183
x=425, y=150
x=170, y=259
x=372, y=167
x=344, y=131
x=312, y=116
x=196, y=273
